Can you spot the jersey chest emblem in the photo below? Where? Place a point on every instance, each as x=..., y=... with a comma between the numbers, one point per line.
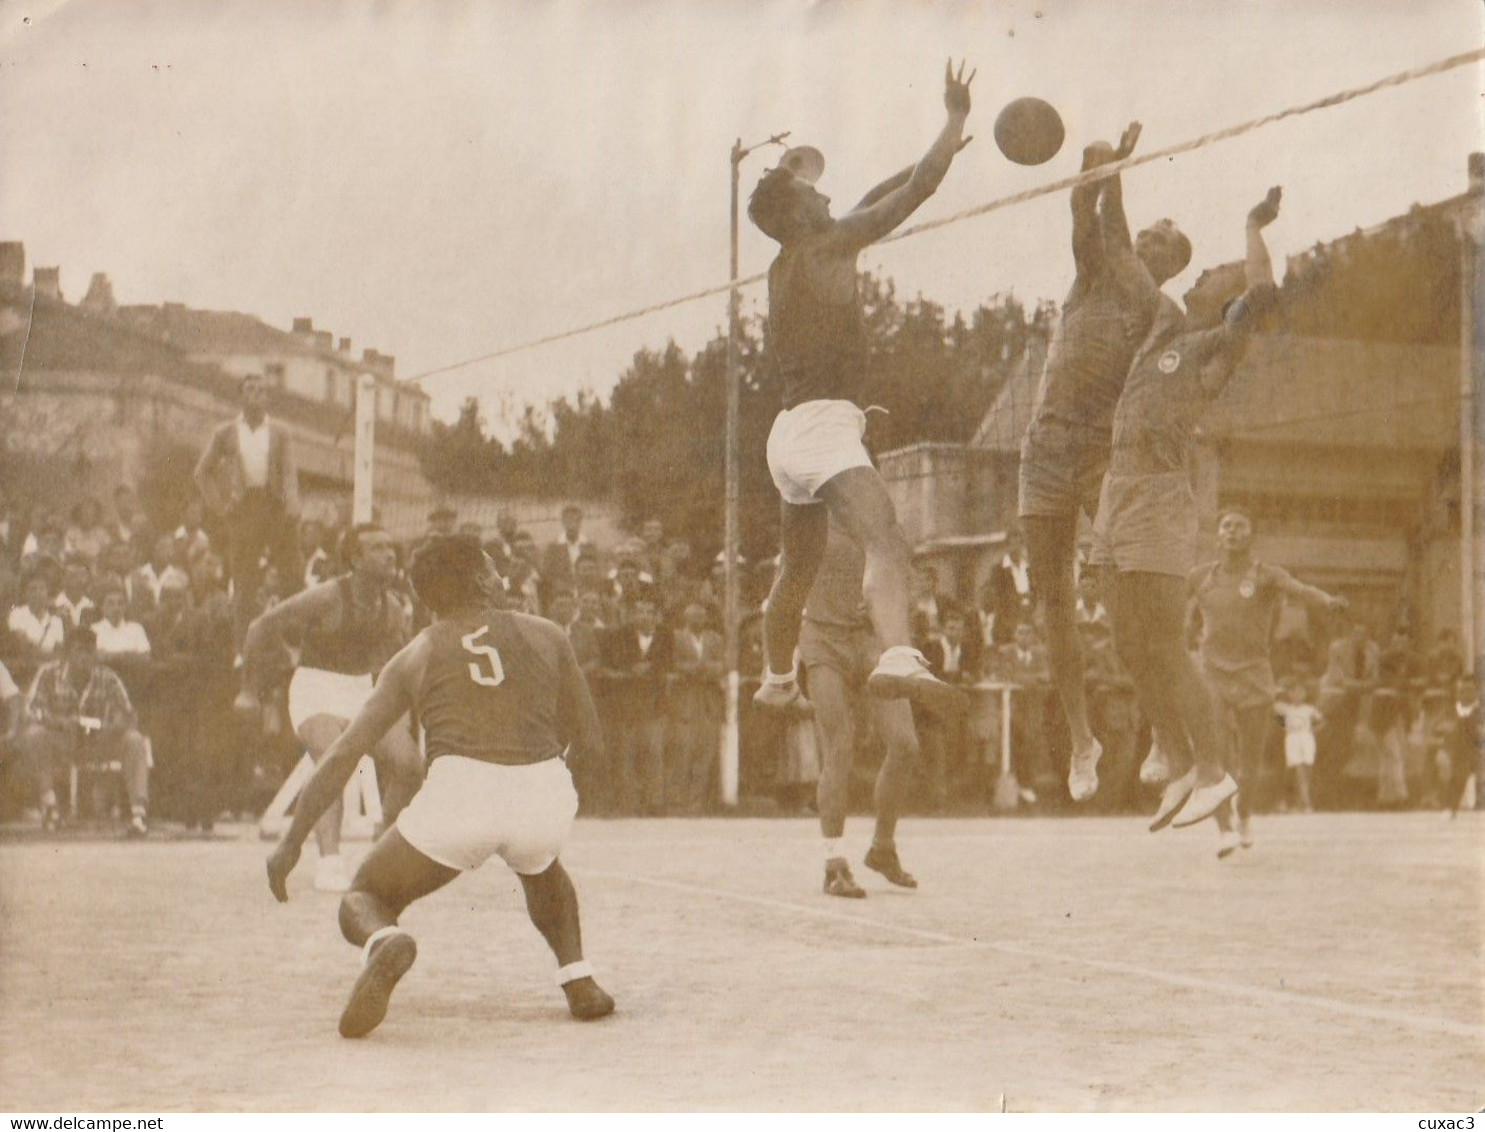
x=1170, y=361
x=1247, y=588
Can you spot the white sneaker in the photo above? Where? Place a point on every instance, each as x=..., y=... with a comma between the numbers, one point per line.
x=330, y=875
x=1172, y=799
x=1155, y=770
x=1082, y=777
x=1205, y=801
x=1228, y=845
x=1245, y=833
x=902, y=673
x=783, y=697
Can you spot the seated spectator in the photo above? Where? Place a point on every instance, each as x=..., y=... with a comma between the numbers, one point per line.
x=79, y=711
x=143, y=585
x=119, y=641
x=73, y=602
x=1010, y=588
x=36, y=628
x=114, y=566
x=650, y=548
x=45, y=540
x=87, y=535
x=190, y=537
x=695, y=702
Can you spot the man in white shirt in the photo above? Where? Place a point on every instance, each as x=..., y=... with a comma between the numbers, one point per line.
x=73, y=602
x=247, y=476
x=37, y=626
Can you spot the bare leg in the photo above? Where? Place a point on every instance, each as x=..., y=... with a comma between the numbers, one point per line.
x=802, y=534
x=393, y=875
x=836, y=729
x=317, y=733
x=894, y=724
x=399, y=769
x=859, y=502
x=1131, y=640
x=552, y=903
x=1051, y=545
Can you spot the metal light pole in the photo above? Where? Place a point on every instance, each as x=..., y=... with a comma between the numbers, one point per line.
x=730, y=746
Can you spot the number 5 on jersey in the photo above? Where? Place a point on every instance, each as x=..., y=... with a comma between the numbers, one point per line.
x=488, y=652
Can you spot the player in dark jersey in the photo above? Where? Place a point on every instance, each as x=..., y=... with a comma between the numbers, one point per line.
x=501, y=700
x=817, y=344
x=1147, y=519
x=346, y=629
x=837, y=649
x=1236, y=601
x=1065, y=452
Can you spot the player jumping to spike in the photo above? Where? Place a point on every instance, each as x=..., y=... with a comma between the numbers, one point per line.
x=1065, y=452
x=501, y=700
x=1147, y=520
x=817, y=343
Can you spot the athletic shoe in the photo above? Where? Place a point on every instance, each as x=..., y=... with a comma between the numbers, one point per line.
x=138, y=827
x=51, y=819
x=1082, y=778
x=783, y=697
x=1228, y=845
x=840, y=882
x=330, y=875
x=1245, y=832
x=883, y=859
x=389, y=960
x=1205, y=801
x=1155, y=770
x=586, y=1000
x=902, y=673
x=1172, y=799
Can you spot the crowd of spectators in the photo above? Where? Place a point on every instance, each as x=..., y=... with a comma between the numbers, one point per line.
x=118, y=670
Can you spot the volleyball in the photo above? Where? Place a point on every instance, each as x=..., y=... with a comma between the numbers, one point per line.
x=1029, y=131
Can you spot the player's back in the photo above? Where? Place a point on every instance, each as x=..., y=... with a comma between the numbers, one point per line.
x=491, y=687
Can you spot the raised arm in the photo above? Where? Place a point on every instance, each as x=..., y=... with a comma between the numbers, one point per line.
x=390, y=700
x=867, y=225
x=1311, y=595
x=265, y=636
x=1113, y=224
x=1224, y=345
x=891, y=184
x=1258, y=267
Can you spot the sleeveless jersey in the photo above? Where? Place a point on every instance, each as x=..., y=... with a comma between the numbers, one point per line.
x=491, y=689
x=835, y=598
x=357, y=645
x=1237, y=617
x=817, y=344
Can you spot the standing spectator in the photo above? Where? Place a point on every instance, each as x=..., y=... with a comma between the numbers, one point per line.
x=87, y=536
x=637, y=660
x=191, y=537
x=129, y=523
x=593, y=610
x=1350, y=673
x=78, y=709
x=503, y=547
x=36, y=628
x=677, y=585
x=651, y=548
x=1113, y=714
x=928, y=605
x=318, y=566
x=247, y=477
x=1023, y=662
x=695, y=713
x=591, y=778
x=73, y=602
x=559, y=559
x=169, y=712
x=628, y=583
x=954, y=654
x=442, y=520
x=1010, y=588
x=1301, y=720
x=213, y=773
x=1464, y=744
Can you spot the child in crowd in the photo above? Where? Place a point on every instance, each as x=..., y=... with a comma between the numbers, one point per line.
x=1301, y=720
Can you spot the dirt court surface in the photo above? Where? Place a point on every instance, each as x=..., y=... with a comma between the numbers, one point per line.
x=1062, y=964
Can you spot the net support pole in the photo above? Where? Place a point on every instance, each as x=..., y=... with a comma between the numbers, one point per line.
x=731, y=745
x=1472, y=606
x=365, y=453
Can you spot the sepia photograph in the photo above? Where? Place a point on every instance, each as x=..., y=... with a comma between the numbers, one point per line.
x=921, y=555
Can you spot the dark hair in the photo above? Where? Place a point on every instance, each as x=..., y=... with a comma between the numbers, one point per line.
x=350, y=542
x=1182, y=246
x=771, y=205
x=1238, y=511
x=247, y=377
x=445, y=573
x=80, y=637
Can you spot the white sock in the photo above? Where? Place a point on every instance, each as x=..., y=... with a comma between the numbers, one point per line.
x=582, y=969
x=833, y=849
x=376, y=937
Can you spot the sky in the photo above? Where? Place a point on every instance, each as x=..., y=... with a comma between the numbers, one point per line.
x=438, y=180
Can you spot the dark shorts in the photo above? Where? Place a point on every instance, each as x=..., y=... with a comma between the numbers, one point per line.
x=853, y=652
x=1146, y=524
x=1062, y=466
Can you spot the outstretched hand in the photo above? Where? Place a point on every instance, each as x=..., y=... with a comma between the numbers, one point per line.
x=281, y=863
x=956, y=89
x=1127, y=141
x=1266, y=211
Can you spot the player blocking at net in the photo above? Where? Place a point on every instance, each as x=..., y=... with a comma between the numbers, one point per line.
x=501, y=700
x=817, y=345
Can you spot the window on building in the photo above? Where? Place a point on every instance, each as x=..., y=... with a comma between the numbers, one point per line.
x=273, y=372
x=332, y=386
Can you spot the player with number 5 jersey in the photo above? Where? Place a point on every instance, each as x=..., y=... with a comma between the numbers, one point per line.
x=502, y=703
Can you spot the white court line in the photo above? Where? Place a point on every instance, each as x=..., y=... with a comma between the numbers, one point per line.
x=1170, y=978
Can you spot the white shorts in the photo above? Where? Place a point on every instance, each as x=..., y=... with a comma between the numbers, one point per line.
x=469, y=810
x=313, y=691
x=1299, y=748
x=811, y=444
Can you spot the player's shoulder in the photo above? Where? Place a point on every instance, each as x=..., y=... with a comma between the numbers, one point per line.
x=528, y=625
